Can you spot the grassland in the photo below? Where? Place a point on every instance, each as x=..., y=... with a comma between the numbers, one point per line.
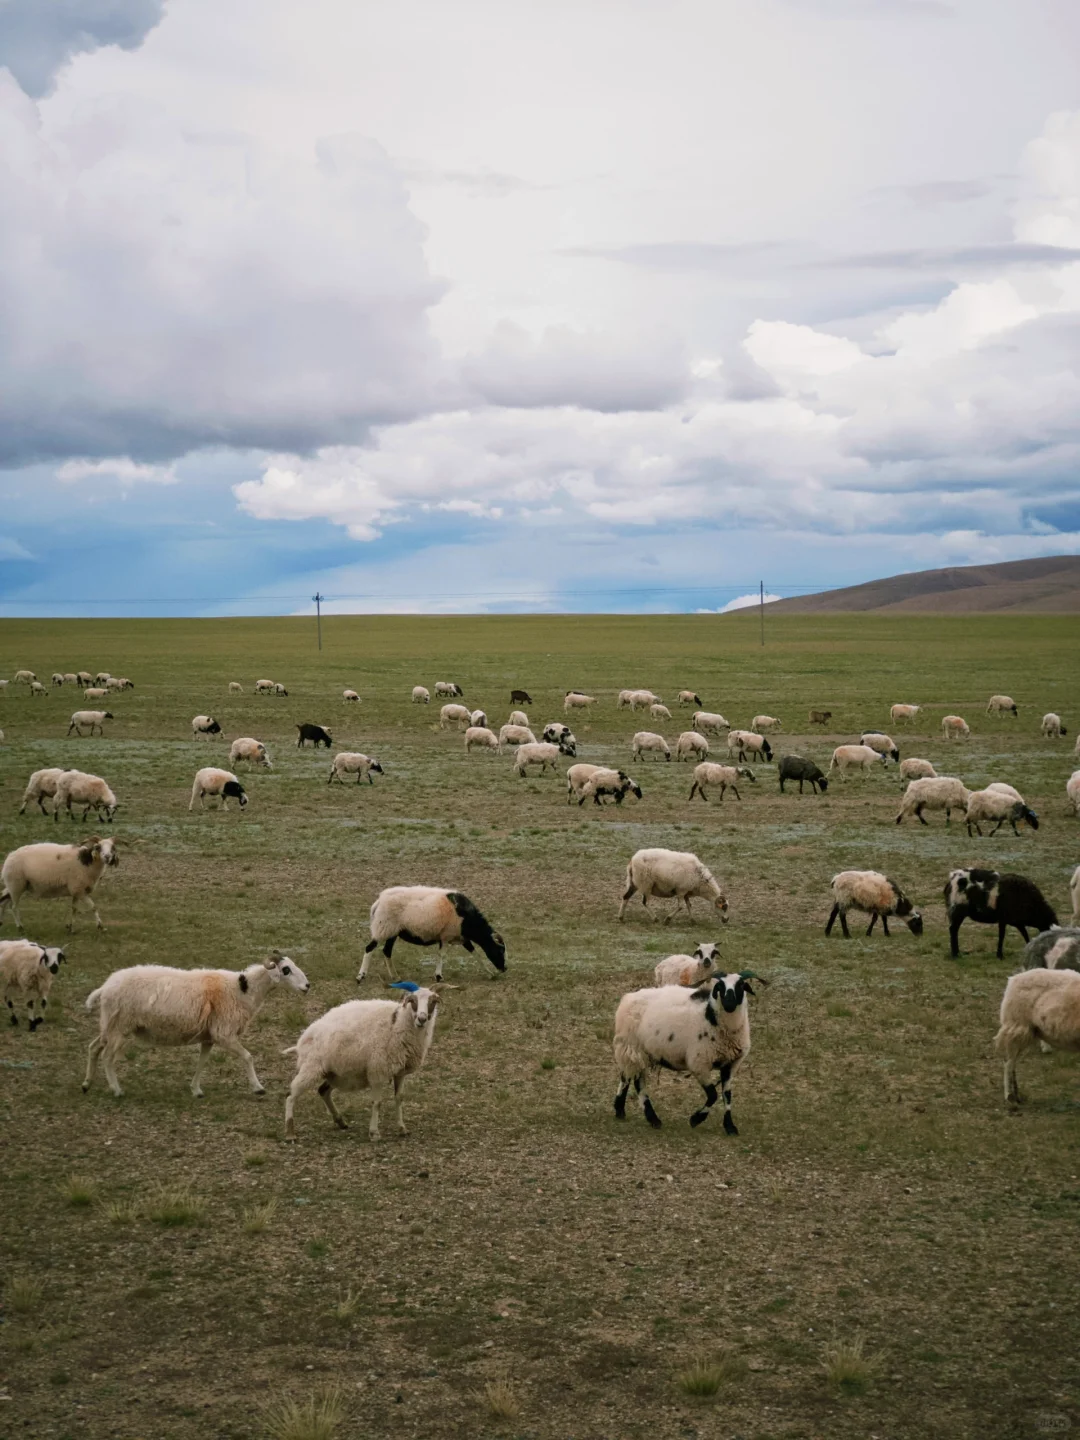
x=883, y=1251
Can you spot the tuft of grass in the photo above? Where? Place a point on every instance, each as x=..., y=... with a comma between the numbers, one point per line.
x=706, y=1378
x=848, y=1367
x=316, y=1249
x=501, y=1401
x=121, y=1212
x=23, y=1295
x=175, y=1205
x=78, y=1191
x=254, y=1158
x=548, y=1063
x=344, y=1312
x=258, y=1218
x=317, y=1418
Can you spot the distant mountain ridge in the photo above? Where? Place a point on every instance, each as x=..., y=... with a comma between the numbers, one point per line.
x=1047, y=586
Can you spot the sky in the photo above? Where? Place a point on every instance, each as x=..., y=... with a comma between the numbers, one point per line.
x=508, y=305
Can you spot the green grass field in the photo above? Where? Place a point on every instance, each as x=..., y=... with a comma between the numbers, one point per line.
x=883, y=1251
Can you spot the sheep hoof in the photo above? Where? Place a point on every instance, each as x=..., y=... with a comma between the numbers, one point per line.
x=290, y=1139
x=260, y=1091
x=698, y=1118
x=730, y=1128
x=341, y=1122
x=85, y=1086
x=197, y=1094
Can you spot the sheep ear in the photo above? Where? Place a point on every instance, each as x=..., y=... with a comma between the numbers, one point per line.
x=275, y=960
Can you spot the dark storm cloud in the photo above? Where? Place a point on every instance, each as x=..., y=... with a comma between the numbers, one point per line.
x=38, y=37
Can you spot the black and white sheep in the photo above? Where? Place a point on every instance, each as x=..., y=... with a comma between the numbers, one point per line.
x=448, y=687
x=1052, y=727
x=743, y=744
x=885, y=745
x=427, y=915
x=875, y=895
x=421, y=695
x=991, y=898
x=597, y=783
x=212, y=781
x=27, y=970
x=95, y=719
x=1000, y=804
x=1054, y=949
x=688, y=697
x=204, y=726
x=1002, y=705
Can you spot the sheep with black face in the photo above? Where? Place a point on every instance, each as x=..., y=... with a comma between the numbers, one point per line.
x=427, y=915
x=875, y=895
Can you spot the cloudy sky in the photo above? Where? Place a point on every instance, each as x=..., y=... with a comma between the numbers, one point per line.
x=531, y=304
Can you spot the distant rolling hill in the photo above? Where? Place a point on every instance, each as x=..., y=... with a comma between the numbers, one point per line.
x=1049, y=586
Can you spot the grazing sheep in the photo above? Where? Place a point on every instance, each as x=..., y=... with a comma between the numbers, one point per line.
x=40, y=787
x=264, y=687
x=819, y=717
x=28, y=969
x=477, y=737
x=125, y=684
x=36, y=688
x=539, y=753
x=875, y=895
x=1074, y=892
x=53, y=872
x=603, y=782
x=710, y=773
x=796, y=767
x=352, y=762
x=574, y=700
x=58, y=677
x=744, y=743
x=516, y=735
x=115, y=683
x=448, y=687
x=235, y=688
x=70, y=678
x=350, y=697
x=672, y=873
x=1052, y=728
x=903, y=712
x=204, y=725
x=94, y=718
x=555, y=730
x=1072, y=790
x=160, y=1005
x=479, y=719
x=249, y=749
x=24, y=677
x=990, y=898
x=883, y=744
x=1055, y=949
x=102, y=677
x=279, y=689
x=426, y=915
x=706, y=720
x=421, y=695
x=363, y=1045
x=695, y=1032
x=659, y=712
x=1002, y=705
x=1039, y=1006
x=915, y=769
x=520, y=697
x=89, y=791
x=316, y=735
x=940, y=792
x=647, y=742
x=518, y=717
x=955, y=727
x=854, y=757
x=691, y=746
x=688, y=697
x=212, y=781
x=763, y=723
x=687, y=970
x=459, y=715
x=1002, y=804
x=94, y=692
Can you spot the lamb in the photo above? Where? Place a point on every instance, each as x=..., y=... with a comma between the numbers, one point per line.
x=915, y=769
x=478, y=737
x=363, y=1045
x=350, y=697
x=1056, y=949
x=1002, y=705
x=743, y=743
x=667, y=873
x=875, y=895
x=688, y=697
x=819, y=717
x=478, y=719
x=518, y=717
x=763, y=723
x=940, y=792
x=315, y=734
x=24, y=677
x=854, y=757
x=691, y=746
x=204, y=725
x=40, y=787
x=710, y=773
x=883, y=744
x=249, y=749
x=52, y=872
x=955, y=727
x=574, y=700
x=659, y=712
x=352, y=762
x=990, y=898
x=426, y=915
x=29, y=970
x=687, y=970
x=448, y=687
x=1002, y=804
x=459, y=715
x=235, y=688
x=1038, y=1006
x=1072, y=790
x=706, y=720
x=796, y=767
x=94, y=718
x=541, y=754
x=903, y=712
x=603, y=782
x=520, y=697
x=1052, y=728
x=421, y=695
x=212, y=781
x=516, y=735
x=161, y=1005
x=693, y=1032
x=264, y=687
x=89, y=791
x=646, y=741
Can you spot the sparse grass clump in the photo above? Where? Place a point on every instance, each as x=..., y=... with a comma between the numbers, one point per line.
x=78, y=1191
x=848, y=1368
x=175, y=1205
x=501, y=1400
x=706, y=1378
x=254, y=1158
x=317, y=1418
x=258, y=1218
x=23, y=1294
x=121, y=1212
x=344, y=1312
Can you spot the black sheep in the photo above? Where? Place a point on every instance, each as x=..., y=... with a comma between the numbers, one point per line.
x=520, y=697
x=990, y=898
x=794, y=767
x=316, y=734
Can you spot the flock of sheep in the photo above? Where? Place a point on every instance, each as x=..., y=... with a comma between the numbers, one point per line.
x=693, y=1020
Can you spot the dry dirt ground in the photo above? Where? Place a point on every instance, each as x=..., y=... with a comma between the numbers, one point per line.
x=521, y=1250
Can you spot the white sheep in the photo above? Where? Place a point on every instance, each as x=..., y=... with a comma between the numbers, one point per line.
x=574, y=700
x=761, y=724
x=160, y=1005
x=70, y=678
x=541, y=753
x=58, y=677
x=691, y=746
x=279, y=689
x=28, y=970
x=103, y=677
x=941, y=792
x=1002, y=805
x=704, y=1032
x=884, y=744
x=647, y=742
x=3, y=687
x=41, y=787
x=24, y=677
x=742, y=743
x=516, y=735
x=428, y=915
x=352, y=762
x=854, y=757
x=421, y=695
x=706, y=720
x=1072, y=790
x=667, y=874
x=95, y=692
x=204, y=726
x=875, y=895
x=599, y=784
x=478, y=737
x=448, y=687
x=246, y=747
x=903, y=712
x=1074, y=891
x=689, y=697
x=955, y=727
x=84, y=678
x=710, y=773
x=479, y=720
x=659, y=712
x=54, y=872
x=458, y=715
x=115, y=683
x=1001, y=705
x=214, y=782
x=350, y=697
x=1052, y=728
x=37, y=688
x=364, y=1045
x=687, y=970
x=915, y=769
x=125, y=684
x=74, y=787
x=235, y=688
x=1076, y=747
x=264, y=687
x=94, y=718
x=1039, y=1006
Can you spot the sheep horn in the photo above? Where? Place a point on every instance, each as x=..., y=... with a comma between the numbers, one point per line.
x=753, y=975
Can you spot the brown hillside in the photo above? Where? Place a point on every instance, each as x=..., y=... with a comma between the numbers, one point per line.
x=1047, y=586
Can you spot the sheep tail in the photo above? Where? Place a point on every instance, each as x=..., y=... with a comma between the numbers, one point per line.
x=94, y=997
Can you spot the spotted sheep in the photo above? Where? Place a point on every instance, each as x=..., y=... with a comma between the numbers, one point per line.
x=459, y=715
x=160, y=1005
x=897, y=713
x=1002, y=705
x=27, y=970
x=1038, y=1007
x=941, y=792
x=1052, y=727
x=991, y=898
x=854, y=757
x=687, y=970
x=704, y=1032
x=873, y=894
x=95, y=719
x=672, y=874
x=725, y=776
x=1002, y=805
x=216, y=783
x=54, y=872
x=426, y=915
x=955, y=727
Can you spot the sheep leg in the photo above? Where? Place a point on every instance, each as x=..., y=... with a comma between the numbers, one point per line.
x=11, y=1007
x=373, y=1124
x=1012, y=1089
x=111, y=1050
x=646, y=1104
x=620, y=1097
x=399, y=1087
x=727, y=1069
x=94, y=1050
x=629, y=893
x=33, y=1020
x=873, y=922
x=832, y=919
x=326, y=1091
x=922, y=820
x=205, y=1046
x=701, y=1115
x=884, y=924
x=954, y=935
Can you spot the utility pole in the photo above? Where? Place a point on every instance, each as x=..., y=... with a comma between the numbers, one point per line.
x=761, y=585
x=318, y=614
